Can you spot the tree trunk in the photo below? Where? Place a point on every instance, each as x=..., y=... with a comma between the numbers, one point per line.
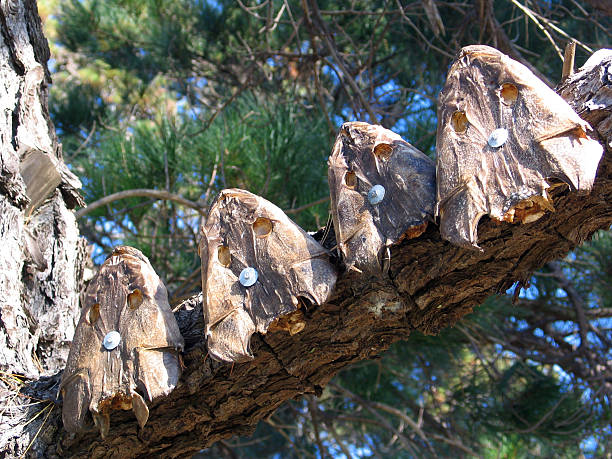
x=42, y=255
x=431, y=285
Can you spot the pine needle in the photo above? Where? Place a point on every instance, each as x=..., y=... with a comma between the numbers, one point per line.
x=49, y=409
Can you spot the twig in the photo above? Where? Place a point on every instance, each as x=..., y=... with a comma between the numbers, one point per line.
x=50, y=406
x=532, y=16
x=297, y=210
x=367, y=405
x=405, y=418
x=83, y=144
x=213, y=117
x=315, y=424
x=139, y=192
x=562, y=32
x=544, y=417
x=486, y=364
x=332, y=431
x=271, y=27
x=457, y=444
x=187, y=282
x=279, y=429
x=568, y=60
x=421, y=35
x=328, y=39
x=354, y=12
x=575, y=299
x=211, y=182
x=250, y=9
x=319, y=90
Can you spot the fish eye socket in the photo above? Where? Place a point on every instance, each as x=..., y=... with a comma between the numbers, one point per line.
x=459, y=121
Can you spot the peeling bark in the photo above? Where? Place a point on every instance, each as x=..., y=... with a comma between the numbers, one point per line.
x=42, y=256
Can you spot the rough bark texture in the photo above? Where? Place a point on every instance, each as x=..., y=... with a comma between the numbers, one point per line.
x=431, y=284
x=42, y=256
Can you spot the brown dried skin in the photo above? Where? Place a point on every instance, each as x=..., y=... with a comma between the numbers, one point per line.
x=126, y=296
x=243, y=230
x=365, y=155
x=292, y=323
x=547, y=142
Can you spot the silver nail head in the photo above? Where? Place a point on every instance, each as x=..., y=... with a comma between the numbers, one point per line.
x=248, y=276
x=111, y=340
x=376, y=194
x=498, y=137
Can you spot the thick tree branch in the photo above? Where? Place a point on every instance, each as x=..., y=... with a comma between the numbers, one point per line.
x=431, y=285
x=297, y=210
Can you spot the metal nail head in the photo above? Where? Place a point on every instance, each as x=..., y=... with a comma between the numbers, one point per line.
x=248, y=276
x=111, y=340
x=376, y=194
x=498, y=137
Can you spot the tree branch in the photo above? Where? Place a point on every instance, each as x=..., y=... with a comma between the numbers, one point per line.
x=297, y=210
x=329, y=42
x=431, y=285
x=139, y=193
x=575, y=299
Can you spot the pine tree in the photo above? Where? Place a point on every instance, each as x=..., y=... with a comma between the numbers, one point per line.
x=192, y=97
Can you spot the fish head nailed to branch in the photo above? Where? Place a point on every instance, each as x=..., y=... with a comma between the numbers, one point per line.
x=382, y=190
x=504, y=140
x=258, y=266
x=125, y=348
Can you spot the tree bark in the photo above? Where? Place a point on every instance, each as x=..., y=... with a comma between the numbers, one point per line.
x=431, y=284
x=42, y=256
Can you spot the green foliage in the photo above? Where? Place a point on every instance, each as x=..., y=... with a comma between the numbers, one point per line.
x=136, y=36
x=593, y=267
x=269, y=149
x=275, y=150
